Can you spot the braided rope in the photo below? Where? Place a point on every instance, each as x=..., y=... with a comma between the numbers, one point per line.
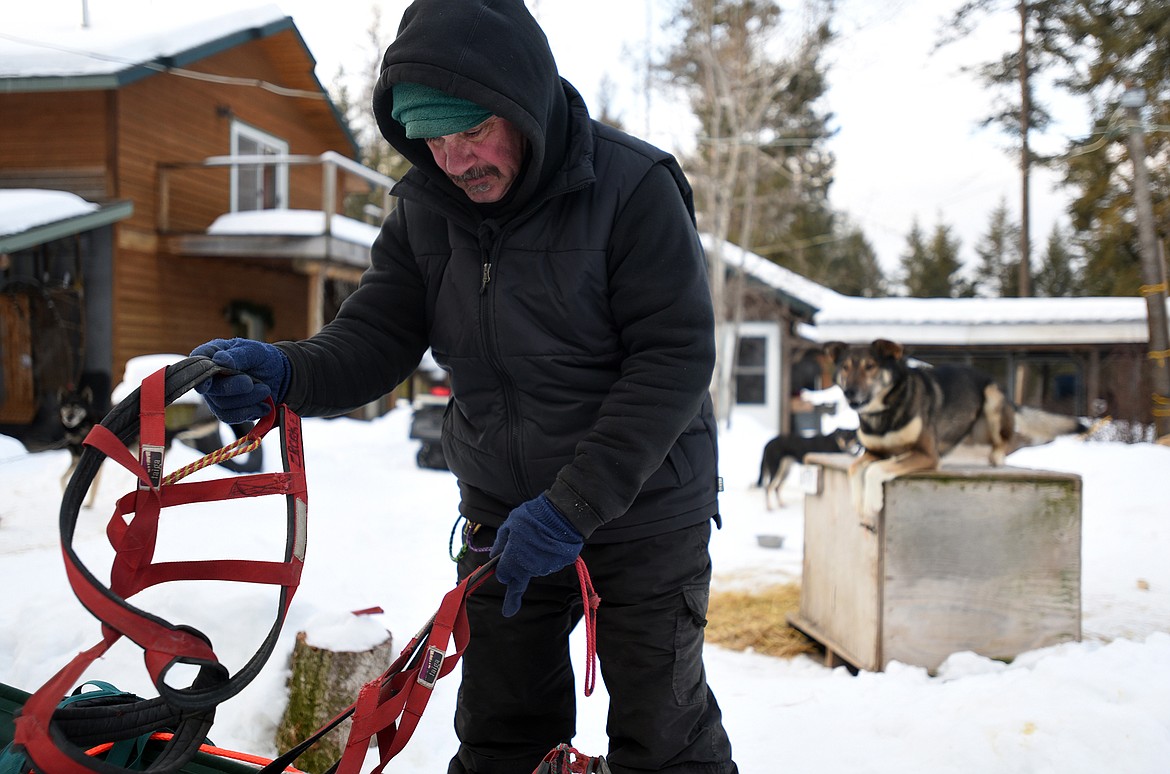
x=590, y=600
x=233, y=449
x=469, y=529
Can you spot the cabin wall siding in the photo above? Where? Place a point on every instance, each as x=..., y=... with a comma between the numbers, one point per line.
x=56, y=140
x=168, y=303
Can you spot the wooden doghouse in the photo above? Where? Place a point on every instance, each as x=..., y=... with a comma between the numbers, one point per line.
x=960, y=559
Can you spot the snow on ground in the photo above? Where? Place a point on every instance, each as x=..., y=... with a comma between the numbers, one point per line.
x=379, y=531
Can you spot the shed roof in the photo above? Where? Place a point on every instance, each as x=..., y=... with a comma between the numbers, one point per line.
x=949, y=321
x=30, y=217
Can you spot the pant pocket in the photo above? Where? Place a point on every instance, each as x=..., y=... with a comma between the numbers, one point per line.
x=690, y=680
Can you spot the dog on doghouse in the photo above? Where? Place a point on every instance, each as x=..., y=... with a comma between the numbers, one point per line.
x=909, y=416
x=785, y=449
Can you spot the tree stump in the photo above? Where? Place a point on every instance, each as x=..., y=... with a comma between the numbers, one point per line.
x=322, y=683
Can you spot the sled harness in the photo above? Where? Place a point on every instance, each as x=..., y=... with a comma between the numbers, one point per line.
x=67, y=737
x=56, y=739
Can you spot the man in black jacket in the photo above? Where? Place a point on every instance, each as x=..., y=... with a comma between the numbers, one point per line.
x=552, y=266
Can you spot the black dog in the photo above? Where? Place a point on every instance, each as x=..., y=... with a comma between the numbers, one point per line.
x=783, y=450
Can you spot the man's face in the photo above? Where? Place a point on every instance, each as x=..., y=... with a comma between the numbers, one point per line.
x=484, y=161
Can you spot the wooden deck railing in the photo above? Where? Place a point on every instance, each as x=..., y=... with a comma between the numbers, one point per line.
x=335, y=169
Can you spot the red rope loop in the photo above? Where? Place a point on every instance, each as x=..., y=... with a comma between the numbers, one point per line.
x=591, y=601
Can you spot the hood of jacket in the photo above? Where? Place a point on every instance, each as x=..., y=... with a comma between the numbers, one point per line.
x=493, y=53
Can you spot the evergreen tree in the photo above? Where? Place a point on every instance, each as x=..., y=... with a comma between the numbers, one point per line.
x=1013, y=77
x=1059, y=275
x=850, y=265
x=914, y=263
x=997, y=273
x=930, y=268
x=1121, y=44
x=1095, y=50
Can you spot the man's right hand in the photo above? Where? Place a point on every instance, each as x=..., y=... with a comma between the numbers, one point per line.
x=263, y=373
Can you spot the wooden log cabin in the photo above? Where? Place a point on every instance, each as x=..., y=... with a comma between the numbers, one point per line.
x=203, y=149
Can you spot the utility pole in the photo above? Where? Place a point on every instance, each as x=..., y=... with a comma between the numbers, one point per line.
x=1153, y=266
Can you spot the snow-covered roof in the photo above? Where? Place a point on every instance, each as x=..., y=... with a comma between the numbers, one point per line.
x=31, y=216
x=983, y=321
x=24, y=208
x=106, y=56
x=796, y=287
x=950, y=321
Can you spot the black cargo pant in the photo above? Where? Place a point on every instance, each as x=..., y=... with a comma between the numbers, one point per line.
x=517, y=699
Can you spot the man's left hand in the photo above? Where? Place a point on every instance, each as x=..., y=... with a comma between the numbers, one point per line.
x=535, y=540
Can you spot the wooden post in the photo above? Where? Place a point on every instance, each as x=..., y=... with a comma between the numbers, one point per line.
x=324, y=682
x=1153, y=267
x=328, y=194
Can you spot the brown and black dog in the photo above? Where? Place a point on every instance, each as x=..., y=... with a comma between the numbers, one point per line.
x=909, y=416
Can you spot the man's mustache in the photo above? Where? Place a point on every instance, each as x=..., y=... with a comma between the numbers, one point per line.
x=474, y=174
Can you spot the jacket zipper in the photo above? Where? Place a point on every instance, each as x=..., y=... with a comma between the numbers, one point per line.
x=490, y=242
x=487, y=274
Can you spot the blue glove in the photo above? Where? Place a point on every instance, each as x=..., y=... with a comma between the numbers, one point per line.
x=534, y=540
x=263, y=373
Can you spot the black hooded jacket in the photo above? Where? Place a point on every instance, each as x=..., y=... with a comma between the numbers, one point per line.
x=574, y=317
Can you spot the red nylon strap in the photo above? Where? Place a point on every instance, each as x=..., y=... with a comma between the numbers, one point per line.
x=389, y=707
x=566, y=759
x=134, y=542
x=32, y=724
x=137, y=542
x=390, y=712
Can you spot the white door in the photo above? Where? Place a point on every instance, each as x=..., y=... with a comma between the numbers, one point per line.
x=756, y=374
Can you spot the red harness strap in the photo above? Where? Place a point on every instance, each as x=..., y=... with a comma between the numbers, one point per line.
x=566, y=759
x=56, y=741
x=389, y=707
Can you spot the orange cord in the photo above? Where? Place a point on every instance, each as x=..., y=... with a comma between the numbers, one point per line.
x=219, y=752
x=234, y=449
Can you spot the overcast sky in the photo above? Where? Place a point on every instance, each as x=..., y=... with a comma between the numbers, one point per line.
x=908, y=145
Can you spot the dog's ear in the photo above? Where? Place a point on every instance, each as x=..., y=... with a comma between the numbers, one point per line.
x=87, y=394
x=885, y=349
x=833, y=349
